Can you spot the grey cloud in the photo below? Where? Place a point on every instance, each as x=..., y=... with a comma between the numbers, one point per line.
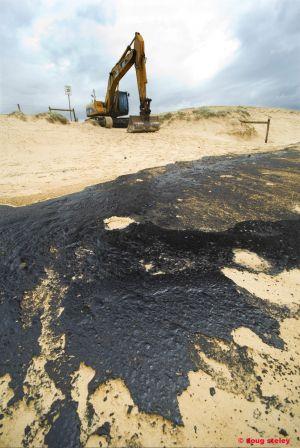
x=265, y=70
x=96, y=13
x=17, y=13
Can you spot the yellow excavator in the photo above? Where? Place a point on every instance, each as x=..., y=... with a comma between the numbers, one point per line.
x=112, y=112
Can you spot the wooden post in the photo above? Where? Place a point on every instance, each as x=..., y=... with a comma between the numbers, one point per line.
x=75, y=118
x=268, y=127
x=260, y=122
x=19, y=107
x=50, y=109
x=70, y=110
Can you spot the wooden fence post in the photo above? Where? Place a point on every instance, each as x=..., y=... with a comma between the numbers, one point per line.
x=261, y=122
x=268, y=127
x=65, y=110
x=19, y=107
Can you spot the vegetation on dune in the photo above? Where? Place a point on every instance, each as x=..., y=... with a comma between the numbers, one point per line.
x=166, y=117
x=246, y=132
x=207, y=112
x=53, y=117
x=242, y=110
x=236, y=114
x=18, y=114
x=181, y=115
x=203, y=112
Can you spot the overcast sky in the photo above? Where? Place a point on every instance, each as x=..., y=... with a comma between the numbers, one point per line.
x=199, y=52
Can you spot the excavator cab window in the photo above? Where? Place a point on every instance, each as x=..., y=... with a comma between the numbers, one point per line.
x=123, y=106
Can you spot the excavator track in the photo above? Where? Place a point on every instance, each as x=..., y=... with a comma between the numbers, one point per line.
x=121, y=122
x=109, y=122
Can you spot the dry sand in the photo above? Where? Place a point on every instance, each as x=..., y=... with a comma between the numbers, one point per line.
x=41, y=160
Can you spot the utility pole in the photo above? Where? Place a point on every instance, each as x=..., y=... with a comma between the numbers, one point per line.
x=68, y=91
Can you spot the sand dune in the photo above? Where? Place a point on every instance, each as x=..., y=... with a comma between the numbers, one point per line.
x=41, y=160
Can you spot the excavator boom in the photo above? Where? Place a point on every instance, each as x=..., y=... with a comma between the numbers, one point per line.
x=144, y=122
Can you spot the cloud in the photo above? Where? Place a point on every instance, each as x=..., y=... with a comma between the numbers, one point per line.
x=266, y=67
x=198, y=52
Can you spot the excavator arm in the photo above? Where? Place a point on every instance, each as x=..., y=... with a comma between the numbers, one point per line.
x=131, y=56
x=141, y=76
x=119, y=70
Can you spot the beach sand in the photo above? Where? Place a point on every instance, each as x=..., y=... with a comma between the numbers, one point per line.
x=42, y=160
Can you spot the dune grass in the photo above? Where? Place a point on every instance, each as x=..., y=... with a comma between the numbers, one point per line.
x=18, y=114
x=53, y=117
x=203, y=112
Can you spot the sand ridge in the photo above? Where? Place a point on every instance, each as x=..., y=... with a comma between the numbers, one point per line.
x=42, y=160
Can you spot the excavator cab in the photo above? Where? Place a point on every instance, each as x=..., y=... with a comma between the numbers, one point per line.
x=120, y=106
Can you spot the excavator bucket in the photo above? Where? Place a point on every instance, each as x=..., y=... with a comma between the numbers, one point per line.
x=137, y=123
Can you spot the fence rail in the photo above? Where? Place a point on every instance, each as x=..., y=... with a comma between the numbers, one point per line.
x=33, y=110
x=268, y=122
x=65, y=110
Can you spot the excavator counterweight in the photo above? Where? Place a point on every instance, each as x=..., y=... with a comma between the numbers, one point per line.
x=112, y=112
